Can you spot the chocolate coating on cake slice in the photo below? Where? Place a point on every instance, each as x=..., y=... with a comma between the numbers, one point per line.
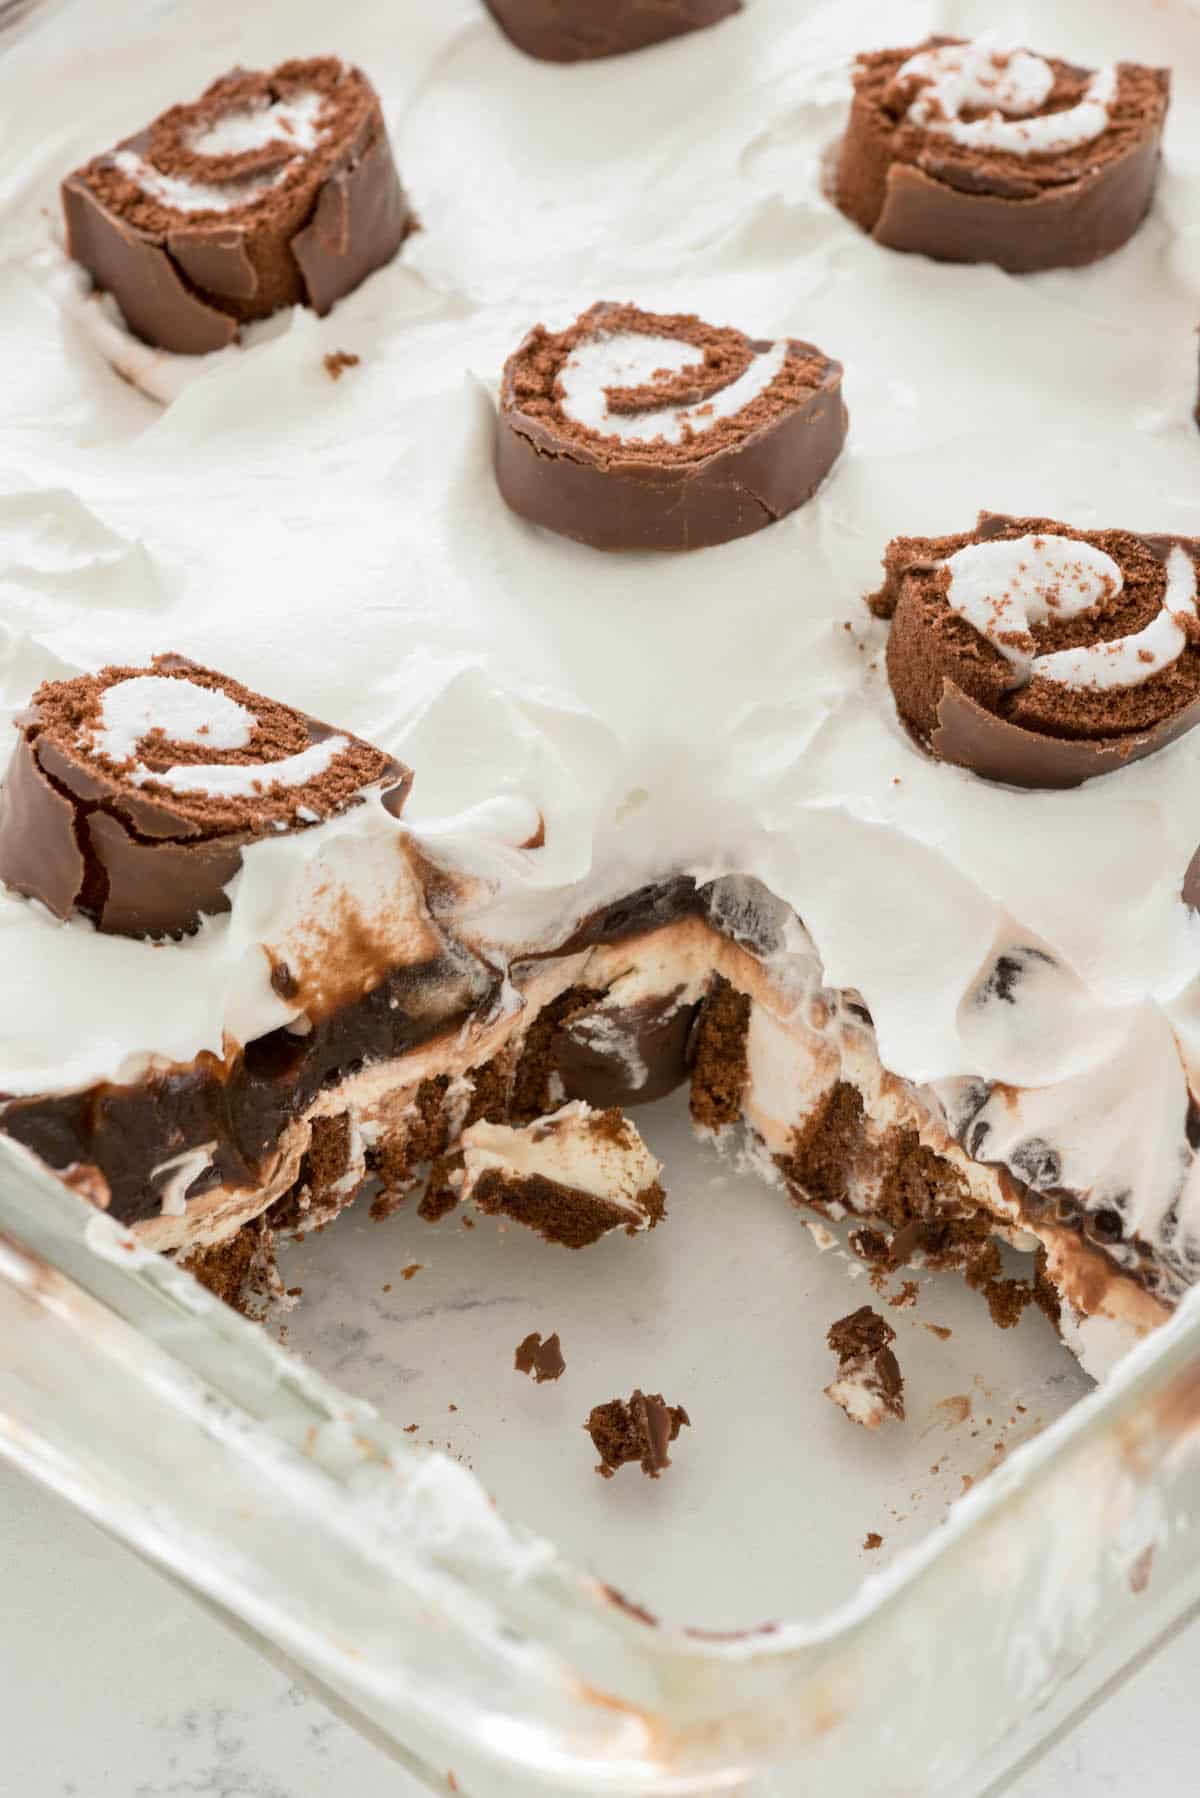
x=581, y=30
x=645, y=430
x=869, y=1386
x=271, y=190
x=640, y=1429
x=132, y=792
x=972, y=154
x=1031, y=661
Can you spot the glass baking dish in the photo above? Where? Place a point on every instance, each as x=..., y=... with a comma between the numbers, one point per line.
x=466, y=1644
x=1036, y=1535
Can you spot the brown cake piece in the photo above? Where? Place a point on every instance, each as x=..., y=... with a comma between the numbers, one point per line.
x=1041, y=655
x=971, y=153
x=572, y=1176
x=273, y=189
x=541, y=1358
x=132, y=792
x=647, y=430
x=640, y=1429
x=869, y=1386
x=581, y=30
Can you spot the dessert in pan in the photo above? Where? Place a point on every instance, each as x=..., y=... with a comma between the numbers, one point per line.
x=316, y=994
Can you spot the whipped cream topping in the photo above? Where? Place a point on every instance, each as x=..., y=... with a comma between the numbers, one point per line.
x=630, y=359
x=342, y=546
x=1001, y=588
x=956, y=78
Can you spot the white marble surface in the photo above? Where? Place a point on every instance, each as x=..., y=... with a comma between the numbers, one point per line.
x=114, y=1685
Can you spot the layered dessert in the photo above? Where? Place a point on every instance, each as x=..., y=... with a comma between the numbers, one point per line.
x=574, y=1176
x=671, y=826
x=578, y=30
x=971, y=152
x=271, y=190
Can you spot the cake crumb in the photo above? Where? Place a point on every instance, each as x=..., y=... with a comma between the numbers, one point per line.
x=414, y=1267
x=338, y=361
x=638, y=1430
x=940, y=1331
x=873, y=1540
x=410, y=1429
x=543, y=1359
x=869, y=1386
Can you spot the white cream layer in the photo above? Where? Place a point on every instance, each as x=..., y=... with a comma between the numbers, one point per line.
x=630, y=359
x=1013, y=84
x=1003, y=587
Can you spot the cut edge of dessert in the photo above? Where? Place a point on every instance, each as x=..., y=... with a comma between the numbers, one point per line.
x=715, y=987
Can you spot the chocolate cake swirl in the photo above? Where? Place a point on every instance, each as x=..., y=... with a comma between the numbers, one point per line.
x=645, y=430
x=970, y=153
x=1041, y=655
x=271, y=190
x=581, y=30
x=132, y=792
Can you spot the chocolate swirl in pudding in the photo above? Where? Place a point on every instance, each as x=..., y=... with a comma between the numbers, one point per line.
x=132, y=792
x=971, y=153
x=271, y=190
x=581, y=30
x=1041, y=655
x=644, y=430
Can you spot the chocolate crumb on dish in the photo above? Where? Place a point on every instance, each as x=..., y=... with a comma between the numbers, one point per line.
x=647, y=430
x=869, y=1386
x=132, y=792
x=273, y=189
x=582, y=30
x=573, y=1176
x=971, y=153
x=640, y=1430
x=338, y=361
x=543, y=1359
x=1040, y=655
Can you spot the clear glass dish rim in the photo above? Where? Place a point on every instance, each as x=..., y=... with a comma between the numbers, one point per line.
x=550, y=1677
